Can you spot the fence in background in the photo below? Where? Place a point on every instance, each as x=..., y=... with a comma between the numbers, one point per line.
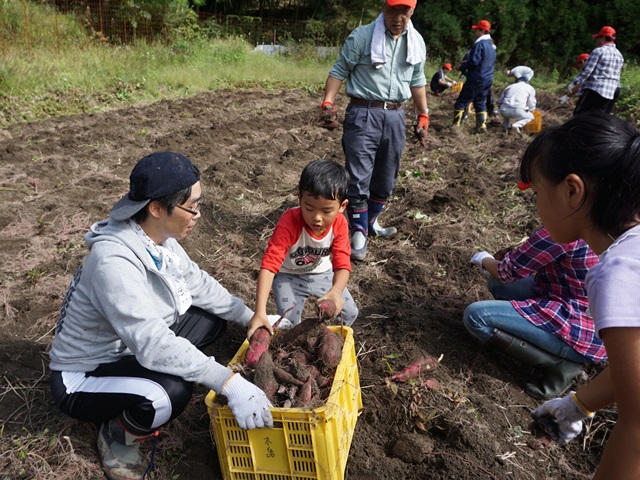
x=125, y=22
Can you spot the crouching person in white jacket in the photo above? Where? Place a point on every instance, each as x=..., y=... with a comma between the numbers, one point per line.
x=138, y=312
x=518, y=100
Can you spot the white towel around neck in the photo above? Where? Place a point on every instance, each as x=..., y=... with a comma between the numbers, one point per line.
x=415, y=54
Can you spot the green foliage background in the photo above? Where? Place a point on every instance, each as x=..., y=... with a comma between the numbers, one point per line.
x=546, y=34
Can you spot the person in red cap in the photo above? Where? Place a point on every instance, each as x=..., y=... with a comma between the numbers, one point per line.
x=581, y=61
x=440, y=82
x=382, y=64
x=599, y=80
x=478, y=68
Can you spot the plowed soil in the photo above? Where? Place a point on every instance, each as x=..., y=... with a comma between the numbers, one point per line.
x=454, y=196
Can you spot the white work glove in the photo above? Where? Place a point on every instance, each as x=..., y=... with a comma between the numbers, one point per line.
x=248, y=403
x=564, y=99
x=477, y=259
x=449, y=84
x=285, y=323
x=454, y=82
x=561, y=418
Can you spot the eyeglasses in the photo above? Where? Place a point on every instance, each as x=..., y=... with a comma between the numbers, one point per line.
x=192, y=212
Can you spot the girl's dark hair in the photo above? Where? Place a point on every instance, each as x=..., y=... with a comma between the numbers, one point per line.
x=324, y=178
x=604, y=151
x=168, y=202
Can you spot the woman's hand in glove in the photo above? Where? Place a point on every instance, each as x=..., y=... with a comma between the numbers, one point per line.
x=248, y=403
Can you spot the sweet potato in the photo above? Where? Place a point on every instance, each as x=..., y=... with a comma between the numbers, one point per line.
x=258, y=344
x=327, y=309
x=304, y=394
x=419, y=366
x=264, y=377
x=285, y=377
x=302, y=371
x=330, y=348
x=292, y=335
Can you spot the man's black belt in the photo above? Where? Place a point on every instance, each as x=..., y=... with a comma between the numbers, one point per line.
x=376, y=104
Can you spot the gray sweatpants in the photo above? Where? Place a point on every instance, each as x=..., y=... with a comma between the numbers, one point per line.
x=290, y=290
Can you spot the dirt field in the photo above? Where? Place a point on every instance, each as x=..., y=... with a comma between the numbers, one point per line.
x=455, y=196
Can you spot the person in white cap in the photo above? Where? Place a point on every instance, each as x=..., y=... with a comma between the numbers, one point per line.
x=133, y=323
x=599, y=80
x=518, y=100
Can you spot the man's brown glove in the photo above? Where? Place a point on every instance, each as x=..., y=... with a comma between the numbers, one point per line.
x=329, y=116
x=422, y=128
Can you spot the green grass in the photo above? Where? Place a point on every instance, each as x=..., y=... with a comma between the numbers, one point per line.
x=62, y=70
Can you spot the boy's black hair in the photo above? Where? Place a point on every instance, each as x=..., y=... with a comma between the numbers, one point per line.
x=324, y=178
x=604, y=151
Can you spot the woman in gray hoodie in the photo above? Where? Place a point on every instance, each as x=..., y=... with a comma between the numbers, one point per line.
x=129, y=338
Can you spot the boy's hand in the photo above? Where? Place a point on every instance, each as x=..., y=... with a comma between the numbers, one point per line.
x=335, y=298
x=257, y=321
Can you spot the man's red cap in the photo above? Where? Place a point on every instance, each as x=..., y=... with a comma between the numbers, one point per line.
x=482, y=25
x=402, y=3
x=605, y=32
x=446, y=66
x=581, y=58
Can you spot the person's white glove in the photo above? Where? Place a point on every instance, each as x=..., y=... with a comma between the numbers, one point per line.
x=477, y=259
x=454, y=82
x=449, y=84
x=564, y=99
x=248, y=403
x=561, y=418
x=285, y=323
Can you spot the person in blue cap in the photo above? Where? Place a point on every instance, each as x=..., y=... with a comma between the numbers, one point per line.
x=133, y=323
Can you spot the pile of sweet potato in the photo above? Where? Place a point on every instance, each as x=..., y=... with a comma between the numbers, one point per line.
x=295, y=369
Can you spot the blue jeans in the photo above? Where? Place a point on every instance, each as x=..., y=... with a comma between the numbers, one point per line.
x=481, y=318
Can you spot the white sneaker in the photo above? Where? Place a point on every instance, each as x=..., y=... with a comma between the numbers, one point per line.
x=119, y=461
x=377, y=230
x=358, y=247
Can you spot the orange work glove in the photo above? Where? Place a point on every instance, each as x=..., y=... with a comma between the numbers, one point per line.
x=329, y=116
x=423, y=122
x=422, y=128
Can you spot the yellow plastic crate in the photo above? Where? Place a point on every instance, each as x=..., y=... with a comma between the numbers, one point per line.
x=457, y=87
x=304, y=443
x=535, y=125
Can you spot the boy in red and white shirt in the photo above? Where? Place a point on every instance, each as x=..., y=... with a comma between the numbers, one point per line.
x=309, y=252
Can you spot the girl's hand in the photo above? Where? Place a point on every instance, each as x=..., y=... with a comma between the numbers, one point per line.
x=561, y=418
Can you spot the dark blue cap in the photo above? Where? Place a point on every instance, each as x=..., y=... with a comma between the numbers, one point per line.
x=154, y=176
